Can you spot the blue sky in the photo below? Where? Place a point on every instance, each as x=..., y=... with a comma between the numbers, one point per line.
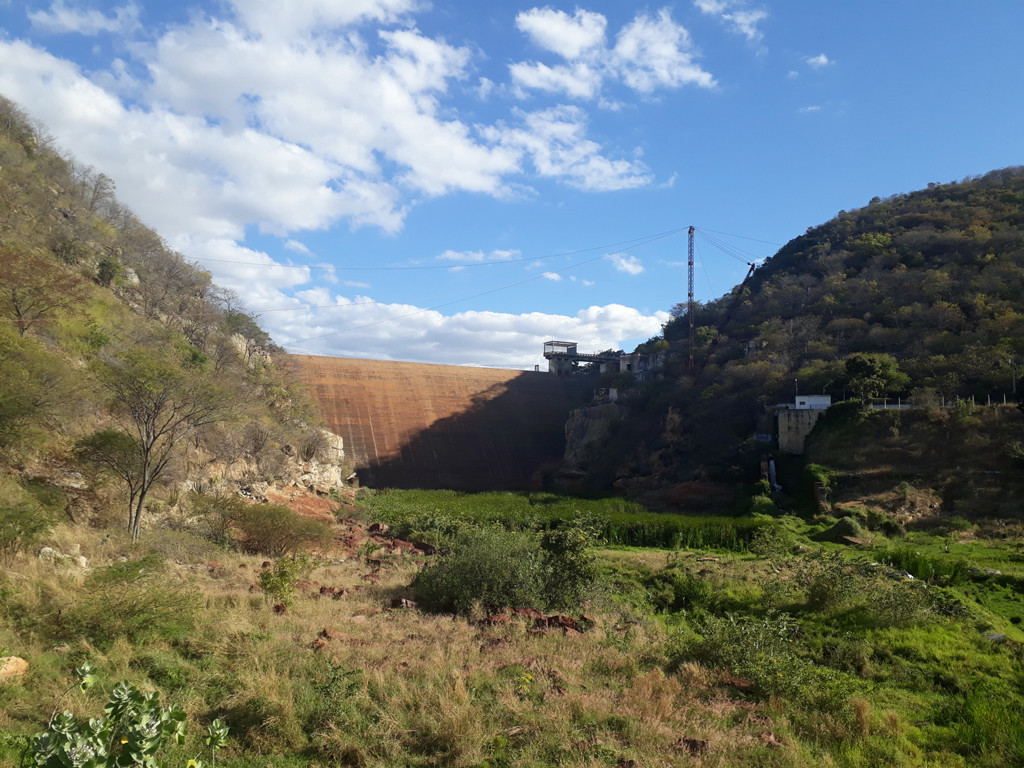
x=456, y=182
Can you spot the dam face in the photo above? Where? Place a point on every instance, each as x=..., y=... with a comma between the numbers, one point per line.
x=416, y=425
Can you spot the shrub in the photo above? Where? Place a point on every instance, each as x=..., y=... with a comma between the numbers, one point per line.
x=496, y=568
x=571, y=568
x=828, y=580
x=217, y=515
x=279, y=581
x=23, y=522
x=131, y=601
x=673, y=589
x=132, y=731
x=772, y=541
x=276, y=531
x=763, y=505
x=762, y=651
x=844, y=528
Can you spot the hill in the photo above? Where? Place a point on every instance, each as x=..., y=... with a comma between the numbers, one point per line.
x=918, y=295
x=126, y=372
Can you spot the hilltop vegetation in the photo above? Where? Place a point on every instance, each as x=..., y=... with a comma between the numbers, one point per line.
x=918, y=295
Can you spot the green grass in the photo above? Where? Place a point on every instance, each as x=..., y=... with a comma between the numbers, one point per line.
x=622, y=523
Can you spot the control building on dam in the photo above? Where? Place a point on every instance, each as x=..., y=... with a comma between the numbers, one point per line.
x=417, y=425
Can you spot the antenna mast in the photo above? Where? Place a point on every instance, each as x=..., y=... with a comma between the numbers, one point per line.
x=689, y=310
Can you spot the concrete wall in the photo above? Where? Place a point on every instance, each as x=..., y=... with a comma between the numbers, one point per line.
x=414, y=425
x=795, y=426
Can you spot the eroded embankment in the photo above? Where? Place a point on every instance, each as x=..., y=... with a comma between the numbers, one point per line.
x=415, y=425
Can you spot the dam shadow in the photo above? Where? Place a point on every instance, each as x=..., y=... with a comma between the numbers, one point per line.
x=422, y=425
x=504, y=440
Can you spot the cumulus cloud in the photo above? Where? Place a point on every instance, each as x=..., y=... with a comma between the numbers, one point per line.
x=286, y=118
x=554, y=140
x=407, y=332
x=569, y=36
x=734, y=13
x=625, y=263
x=63, y=19
x=650, y=52
x=819, y=61
x=811, y=108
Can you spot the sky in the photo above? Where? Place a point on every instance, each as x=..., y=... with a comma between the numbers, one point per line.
x=459, y=181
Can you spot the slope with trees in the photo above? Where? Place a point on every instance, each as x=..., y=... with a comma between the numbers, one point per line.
x=121, y=359
x=919, y=294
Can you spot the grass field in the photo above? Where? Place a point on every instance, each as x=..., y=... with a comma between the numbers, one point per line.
x=770, y=650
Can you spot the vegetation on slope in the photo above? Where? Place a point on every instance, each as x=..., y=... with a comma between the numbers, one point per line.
x=115, y=349
x=917, y=295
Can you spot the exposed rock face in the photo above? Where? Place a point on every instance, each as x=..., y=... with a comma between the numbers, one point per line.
x=586, y=432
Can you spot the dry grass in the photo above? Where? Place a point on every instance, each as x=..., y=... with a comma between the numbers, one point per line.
x=428, y=690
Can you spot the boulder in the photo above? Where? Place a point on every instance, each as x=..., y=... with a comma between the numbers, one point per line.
x=12, y=667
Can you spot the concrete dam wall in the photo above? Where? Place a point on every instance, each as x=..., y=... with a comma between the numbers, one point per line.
x=415, y=425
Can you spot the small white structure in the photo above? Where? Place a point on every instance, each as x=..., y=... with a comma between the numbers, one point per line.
x=812, y=402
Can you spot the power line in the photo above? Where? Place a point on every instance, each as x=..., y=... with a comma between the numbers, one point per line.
x=625, y=243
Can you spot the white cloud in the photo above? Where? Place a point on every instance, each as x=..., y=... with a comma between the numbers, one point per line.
x=553, y=276
x=624, y=263
x=295, y=245
x=654, y=52
x=734, y=13
x=819, y=61
x=650, y=52
x=300, y=116
x=579, y=81
x=555, y=31
x=357, y=328
x=62, y=19
x=811, y=108
x=555, y=142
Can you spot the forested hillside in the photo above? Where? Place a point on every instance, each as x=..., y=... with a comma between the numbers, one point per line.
x=121, y=360
x=918, y=295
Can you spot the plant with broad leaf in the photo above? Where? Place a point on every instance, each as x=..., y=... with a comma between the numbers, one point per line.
x=132, y=731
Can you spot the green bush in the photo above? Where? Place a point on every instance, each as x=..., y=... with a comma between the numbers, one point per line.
x=279, y=581
x=828, y=580
x=763, y=505
x=23, y=521
x=276, y=531
x=571, y=569
x=490, y=566
x=672, y=589
x=133, y=729
x=764, y=651
x=133, y=601
x=772, y=541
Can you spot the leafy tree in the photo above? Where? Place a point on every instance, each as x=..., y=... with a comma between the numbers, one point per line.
x=874, y=375
x=34, y=287
x=158, y=403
